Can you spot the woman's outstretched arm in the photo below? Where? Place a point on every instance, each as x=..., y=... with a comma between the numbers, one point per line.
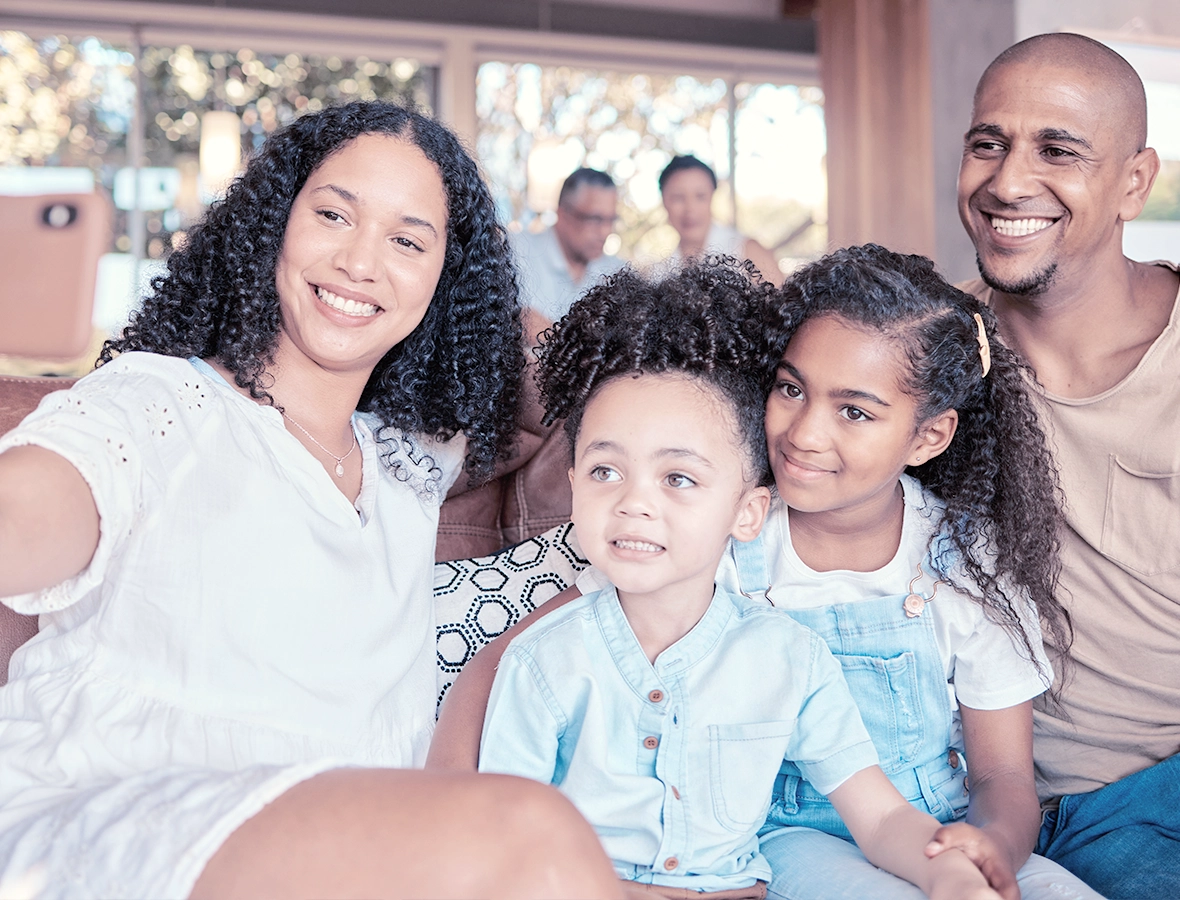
x=48, y=520
x=455, y=746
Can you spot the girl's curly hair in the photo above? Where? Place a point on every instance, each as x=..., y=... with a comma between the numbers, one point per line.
x=997, y=478
x=461, y=369
x=686, y=323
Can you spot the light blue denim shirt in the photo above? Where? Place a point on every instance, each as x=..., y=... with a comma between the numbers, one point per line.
x=673, y=763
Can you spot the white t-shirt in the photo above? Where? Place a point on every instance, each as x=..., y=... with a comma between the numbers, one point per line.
x=241, y=625
x=985, y=667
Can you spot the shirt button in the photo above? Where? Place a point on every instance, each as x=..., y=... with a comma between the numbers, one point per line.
x=651, y=742
x=655, y=696
x=671, y=863
x=952, y=758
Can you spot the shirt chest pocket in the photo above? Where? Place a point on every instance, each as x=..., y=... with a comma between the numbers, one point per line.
x=1141, y=525
x=743, y=763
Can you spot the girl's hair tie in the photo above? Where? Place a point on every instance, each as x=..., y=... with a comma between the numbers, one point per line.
x=985, y=348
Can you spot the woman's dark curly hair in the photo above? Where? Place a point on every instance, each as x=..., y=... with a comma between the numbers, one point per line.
x=686, y=323
x=997, y=477
x=461, y=369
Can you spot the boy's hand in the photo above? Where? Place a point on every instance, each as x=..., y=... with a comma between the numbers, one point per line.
x=982, y=851
x=957, y=878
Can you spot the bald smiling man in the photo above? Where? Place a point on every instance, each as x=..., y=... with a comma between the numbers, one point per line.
x=1054, y=163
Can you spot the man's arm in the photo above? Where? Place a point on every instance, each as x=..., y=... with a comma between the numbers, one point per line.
x=892, y=834
x=1003, y=815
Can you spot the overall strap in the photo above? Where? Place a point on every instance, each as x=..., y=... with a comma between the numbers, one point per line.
x=750, y=559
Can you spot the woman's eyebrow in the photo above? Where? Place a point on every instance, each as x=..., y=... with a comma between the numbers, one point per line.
x=348, y=195
x=339, y=191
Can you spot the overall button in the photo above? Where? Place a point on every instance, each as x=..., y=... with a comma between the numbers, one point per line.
x=671, y=863
x=655, y=696
x=651, y=742
x=952, y=758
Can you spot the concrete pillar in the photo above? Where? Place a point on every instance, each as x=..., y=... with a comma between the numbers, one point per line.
x=965, y=35
x=898, y=78
x=456, y=89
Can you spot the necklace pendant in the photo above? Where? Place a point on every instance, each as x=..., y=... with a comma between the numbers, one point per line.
x=913, y=605
x=339, y=470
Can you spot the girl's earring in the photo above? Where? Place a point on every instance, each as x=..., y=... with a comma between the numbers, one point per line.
x=917, y=460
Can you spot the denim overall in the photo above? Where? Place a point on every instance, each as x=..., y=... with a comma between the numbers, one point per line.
x=895, y=672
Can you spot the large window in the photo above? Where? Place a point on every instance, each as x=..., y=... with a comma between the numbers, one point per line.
x=123, y=101
x=537, y=123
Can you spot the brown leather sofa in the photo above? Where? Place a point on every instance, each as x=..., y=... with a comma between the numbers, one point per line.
x=532, y=495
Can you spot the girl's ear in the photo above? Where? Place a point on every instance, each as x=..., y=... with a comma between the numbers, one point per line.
x=752, y=509
x=934, y=436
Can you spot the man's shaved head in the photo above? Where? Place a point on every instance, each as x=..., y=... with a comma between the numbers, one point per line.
x=1112, y=77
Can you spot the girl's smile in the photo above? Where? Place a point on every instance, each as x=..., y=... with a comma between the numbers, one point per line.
x=839, y=424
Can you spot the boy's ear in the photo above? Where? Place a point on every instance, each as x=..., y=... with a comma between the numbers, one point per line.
x=752, y=510
x=934, y=437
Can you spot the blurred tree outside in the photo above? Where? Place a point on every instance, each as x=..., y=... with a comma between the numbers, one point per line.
x=1164, y=202
x=71, y=103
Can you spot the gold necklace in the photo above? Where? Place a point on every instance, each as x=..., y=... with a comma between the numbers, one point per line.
x=339, y=459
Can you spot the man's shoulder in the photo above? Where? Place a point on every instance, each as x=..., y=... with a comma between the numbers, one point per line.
x=977, y=288
x=528, y=241
x=605, y=265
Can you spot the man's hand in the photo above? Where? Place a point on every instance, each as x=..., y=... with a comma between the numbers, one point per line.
x=982, y=851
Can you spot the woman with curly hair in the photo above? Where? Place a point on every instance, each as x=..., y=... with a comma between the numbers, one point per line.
x=228, y=530
x=916, y=531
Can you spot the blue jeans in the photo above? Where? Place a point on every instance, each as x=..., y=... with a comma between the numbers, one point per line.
x=1123, y=839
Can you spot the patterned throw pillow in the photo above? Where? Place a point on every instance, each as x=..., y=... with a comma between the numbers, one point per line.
x=475, y=600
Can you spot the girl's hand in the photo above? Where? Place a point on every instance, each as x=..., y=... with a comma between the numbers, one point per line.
x=982, y=851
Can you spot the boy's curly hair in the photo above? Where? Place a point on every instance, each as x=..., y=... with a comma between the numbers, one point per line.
x=997, y=478
x=461, y=369
x=688, y=322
